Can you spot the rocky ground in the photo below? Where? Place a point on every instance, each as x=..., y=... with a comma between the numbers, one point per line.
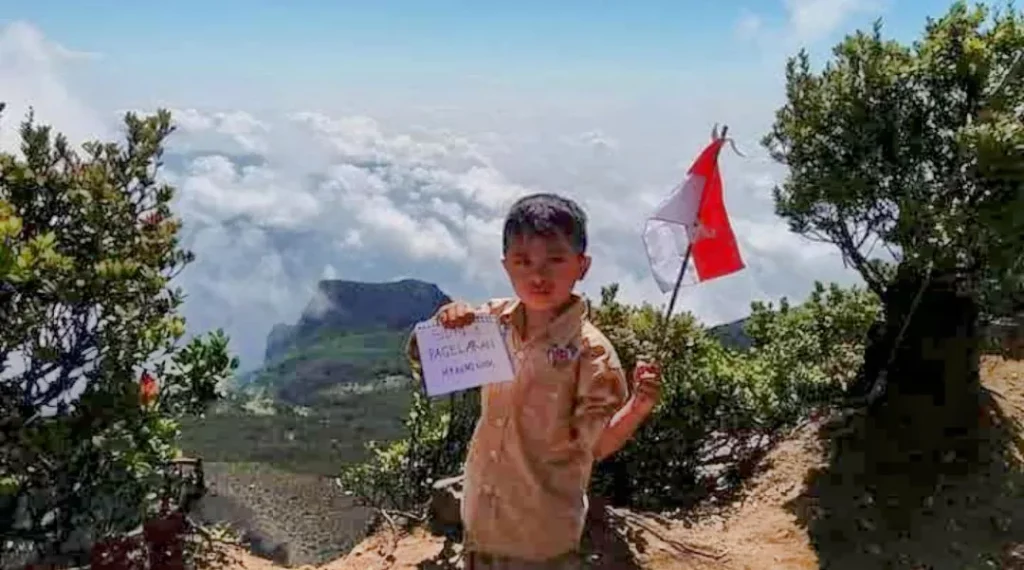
x=293, y=519
x=822, y=500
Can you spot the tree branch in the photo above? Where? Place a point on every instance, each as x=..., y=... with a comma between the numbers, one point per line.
x=860, y=263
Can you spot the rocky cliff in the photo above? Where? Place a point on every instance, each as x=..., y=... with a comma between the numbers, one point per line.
x=351, y=306
x=350, y=331
x=732, y=335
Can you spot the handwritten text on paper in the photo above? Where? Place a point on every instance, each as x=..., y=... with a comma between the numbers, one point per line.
x=459, y=359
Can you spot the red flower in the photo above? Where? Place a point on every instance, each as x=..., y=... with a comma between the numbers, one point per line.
x=147, y=389
x=152, y=219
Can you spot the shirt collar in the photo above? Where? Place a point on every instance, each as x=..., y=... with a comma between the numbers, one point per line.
x=577, y=310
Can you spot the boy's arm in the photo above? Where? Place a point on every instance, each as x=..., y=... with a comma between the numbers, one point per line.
x=622, y=428
x=600, y=392
x=619, y=431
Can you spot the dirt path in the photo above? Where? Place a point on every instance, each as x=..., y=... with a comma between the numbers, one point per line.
x=821, y=501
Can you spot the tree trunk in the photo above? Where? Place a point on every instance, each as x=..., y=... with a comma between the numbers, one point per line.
x=931, y=398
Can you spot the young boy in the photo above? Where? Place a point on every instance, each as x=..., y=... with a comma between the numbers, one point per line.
x=530, y=457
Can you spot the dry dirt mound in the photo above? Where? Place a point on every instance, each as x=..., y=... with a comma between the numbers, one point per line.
x=822, y=500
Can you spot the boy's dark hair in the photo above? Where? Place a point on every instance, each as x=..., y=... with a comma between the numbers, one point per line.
x=546, y=215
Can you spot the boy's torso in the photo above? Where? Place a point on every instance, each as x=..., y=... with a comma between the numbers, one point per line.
x=525, y=492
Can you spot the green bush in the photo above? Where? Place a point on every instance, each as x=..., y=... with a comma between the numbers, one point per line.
x=88, y=248
x=720, y=407
x=398, y=475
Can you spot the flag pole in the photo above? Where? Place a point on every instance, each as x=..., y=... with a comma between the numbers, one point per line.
x=679, y=284
x=662, y=351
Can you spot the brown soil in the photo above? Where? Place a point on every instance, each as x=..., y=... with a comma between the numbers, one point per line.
x=822, y=500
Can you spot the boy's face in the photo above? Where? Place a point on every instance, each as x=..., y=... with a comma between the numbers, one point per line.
x=543, y=270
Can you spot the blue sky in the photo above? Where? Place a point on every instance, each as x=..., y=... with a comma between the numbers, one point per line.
x=325, y=46
x=381, y=140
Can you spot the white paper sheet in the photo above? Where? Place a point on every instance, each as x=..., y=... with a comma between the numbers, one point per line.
x=459, y=359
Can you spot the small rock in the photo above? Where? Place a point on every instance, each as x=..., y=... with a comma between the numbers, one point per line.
x=444, y=515
x=1015, y=553
x=873, y=549
x=865, y=524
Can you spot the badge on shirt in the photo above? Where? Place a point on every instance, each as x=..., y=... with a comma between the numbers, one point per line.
x=561, y=356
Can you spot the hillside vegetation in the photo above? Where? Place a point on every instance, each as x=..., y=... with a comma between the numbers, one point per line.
x=316, y=440
x=312, y=369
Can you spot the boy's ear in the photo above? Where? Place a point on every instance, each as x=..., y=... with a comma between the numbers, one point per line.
x=584, y=266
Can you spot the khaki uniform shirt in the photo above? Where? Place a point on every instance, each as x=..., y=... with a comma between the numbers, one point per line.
x=530, y=458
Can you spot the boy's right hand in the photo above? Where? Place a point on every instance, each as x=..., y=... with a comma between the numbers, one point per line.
x=647, y=383
x=456, y=315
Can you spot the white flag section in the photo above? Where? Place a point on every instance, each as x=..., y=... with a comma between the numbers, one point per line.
x=670, y=230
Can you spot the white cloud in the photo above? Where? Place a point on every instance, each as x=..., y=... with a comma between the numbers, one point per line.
x=218, y=129
x=272, y=202
x=813, y=20
x=31, y=76
x=806, y=23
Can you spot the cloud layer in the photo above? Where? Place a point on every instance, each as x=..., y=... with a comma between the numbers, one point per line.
x=274, y=202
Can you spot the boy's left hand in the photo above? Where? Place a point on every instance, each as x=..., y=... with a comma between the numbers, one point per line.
x=647, y=384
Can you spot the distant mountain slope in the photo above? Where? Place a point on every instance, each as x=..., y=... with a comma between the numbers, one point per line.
x=353, y=306
x=349, y=332
x=732, y=335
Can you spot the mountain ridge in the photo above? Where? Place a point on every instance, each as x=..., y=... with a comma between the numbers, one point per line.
x=344, y=305
x=350, y=332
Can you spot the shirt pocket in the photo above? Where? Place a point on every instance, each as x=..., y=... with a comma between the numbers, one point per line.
x=548, y=398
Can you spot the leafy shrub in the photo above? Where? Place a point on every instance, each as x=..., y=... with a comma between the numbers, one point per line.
x=398, y=475
x=720, y=407
x=88, y=247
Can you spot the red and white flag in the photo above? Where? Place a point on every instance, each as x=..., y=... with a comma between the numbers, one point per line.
x=693, y=219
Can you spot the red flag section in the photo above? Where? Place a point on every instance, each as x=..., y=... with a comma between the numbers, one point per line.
x=715, y=252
